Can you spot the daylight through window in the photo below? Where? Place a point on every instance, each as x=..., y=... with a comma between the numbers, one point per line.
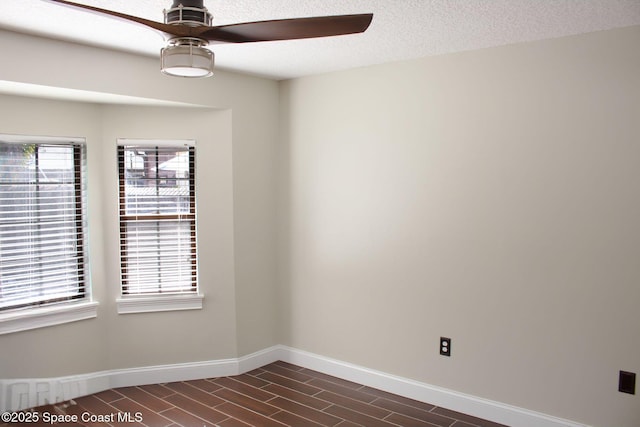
x=157, y=218
x=43, y=253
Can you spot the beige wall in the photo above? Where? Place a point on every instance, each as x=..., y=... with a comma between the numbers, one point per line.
x=207, y=334
x=45, y=352
x=235, y=127
x=489, y=196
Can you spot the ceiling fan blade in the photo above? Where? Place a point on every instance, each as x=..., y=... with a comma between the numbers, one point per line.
x=173, y=30
x=287, y=29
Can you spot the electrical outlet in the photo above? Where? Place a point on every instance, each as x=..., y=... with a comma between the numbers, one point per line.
x=627, y=382
x=445, y=346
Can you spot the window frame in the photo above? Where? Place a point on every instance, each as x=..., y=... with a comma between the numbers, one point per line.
x=157, y=301
x=56, y=311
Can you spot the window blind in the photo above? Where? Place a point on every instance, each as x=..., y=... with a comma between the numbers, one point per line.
x=43, y=257
x=157, y=219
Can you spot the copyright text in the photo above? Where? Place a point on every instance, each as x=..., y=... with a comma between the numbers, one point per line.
x=85, y=417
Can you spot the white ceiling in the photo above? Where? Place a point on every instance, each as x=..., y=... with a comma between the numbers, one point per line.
x=401, y=29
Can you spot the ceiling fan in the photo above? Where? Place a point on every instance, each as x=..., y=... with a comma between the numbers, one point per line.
x=187, y=24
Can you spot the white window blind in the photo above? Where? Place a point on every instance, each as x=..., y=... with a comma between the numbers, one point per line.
x=157, y=219
x=43, y=254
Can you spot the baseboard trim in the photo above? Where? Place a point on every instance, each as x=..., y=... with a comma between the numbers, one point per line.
x=261, y=358
x=24, y=393
x=449, y=399
x=18, y=394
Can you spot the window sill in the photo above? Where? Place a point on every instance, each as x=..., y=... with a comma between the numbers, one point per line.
x=153, y=303
x=41, y=317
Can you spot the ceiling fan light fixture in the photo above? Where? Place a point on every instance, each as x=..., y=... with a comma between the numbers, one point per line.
x=188, y=22
x=187, y=57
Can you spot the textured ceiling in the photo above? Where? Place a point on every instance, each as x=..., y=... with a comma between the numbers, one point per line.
x=401, y=29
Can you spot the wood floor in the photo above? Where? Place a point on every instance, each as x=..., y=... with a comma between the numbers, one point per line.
x=274, y=395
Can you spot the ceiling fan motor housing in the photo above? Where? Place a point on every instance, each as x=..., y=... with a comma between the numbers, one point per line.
x=188, y=12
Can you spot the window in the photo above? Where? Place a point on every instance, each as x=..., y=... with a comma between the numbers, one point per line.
x=158, y=256
x=43, y=250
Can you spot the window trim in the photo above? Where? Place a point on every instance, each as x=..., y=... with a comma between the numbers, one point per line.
x=29, y=317
x=157, y=302
x=130, y=304
x=44, y=316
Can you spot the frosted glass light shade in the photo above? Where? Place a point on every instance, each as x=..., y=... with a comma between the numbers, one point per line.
x=187, y=61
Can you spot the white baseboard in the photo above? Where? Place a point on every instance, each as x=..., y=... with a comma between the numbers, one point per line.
x=261, y=358
x=24, y=393
x=449, y=399
x=18, y=394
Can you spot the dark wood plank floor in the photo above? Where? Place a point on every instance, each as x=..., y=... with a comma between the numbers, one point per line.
x=279, y=394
